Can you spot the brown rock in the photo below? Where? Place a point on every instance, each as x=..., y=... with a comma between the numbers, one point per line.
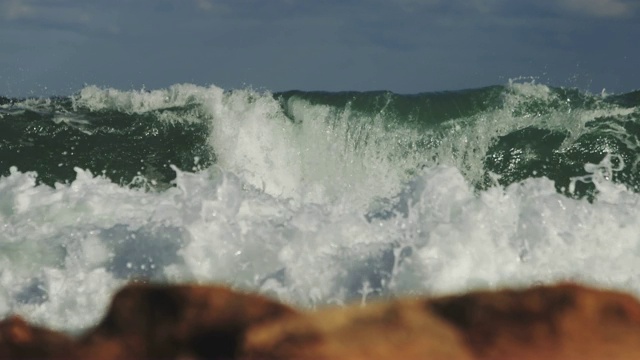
x=206, y=322
x=398, y=330
x=558, y=322
x=167, y=322
x=19, y=340
x=546, y=322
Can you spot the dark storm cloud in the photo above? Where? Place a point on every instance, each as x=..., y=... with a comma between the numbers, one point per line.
x=56, y=46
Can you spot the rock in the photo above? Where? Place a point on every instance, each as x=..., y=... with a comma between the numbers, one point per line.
x=396, y=330
x=208, y=322
x=168, y=322
x=546, y=322
x=19, y=340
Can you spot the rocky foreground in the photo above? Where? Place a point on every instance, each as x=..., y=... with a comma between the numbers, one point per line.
x=207, y=322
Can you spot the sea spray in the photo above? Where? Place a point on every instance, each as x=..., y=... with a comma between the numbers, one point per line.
x=313, y=198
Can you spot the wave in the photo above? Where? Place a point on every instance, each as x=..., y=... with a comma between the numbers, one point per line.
x=314, y=198
x=324, y=143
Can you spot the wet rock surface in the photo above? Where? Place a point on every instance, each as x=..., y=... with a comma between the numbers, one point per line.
x=565, y=321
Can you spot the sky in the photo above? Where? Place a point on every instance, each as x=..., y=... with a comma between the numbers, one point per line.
x=56, y=47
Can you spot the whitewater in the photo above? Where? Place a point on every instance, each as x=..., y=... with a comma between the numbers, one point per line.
x=314, y=199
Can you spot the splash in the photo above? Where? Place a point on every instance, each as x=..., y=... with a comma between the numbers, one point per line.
x=65, y=250
x=318, y=203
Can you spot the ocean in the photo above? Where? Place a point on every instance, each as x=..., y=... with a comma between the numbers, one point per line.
x=314, y=198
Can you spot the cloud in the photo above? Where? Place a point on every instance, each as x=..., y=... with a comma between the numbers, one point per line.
x=55, y=11
x=590, y=8
x=81, y=18
x=410, y=5
x=16, y=9
x=600, y=8
x=204, y=5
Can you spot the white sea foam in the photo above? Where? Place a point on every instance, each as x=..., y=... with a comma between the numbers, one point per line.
x=305, y=213
x=65, y=250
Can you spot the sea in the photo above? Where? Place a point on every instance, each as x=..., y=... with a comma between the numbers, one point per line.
x=314, y=198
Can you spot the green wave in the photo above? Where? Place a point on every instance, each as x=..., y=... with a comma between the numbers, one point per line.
x=496, y=134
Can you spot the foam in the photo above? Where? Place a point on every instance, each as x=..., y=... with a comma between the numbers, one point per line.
x=141, y=101
x=330, y=208
x=65, y=250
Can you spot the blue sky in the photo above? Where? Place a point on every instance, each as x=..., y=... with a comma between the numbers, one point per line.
x=407, y=46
